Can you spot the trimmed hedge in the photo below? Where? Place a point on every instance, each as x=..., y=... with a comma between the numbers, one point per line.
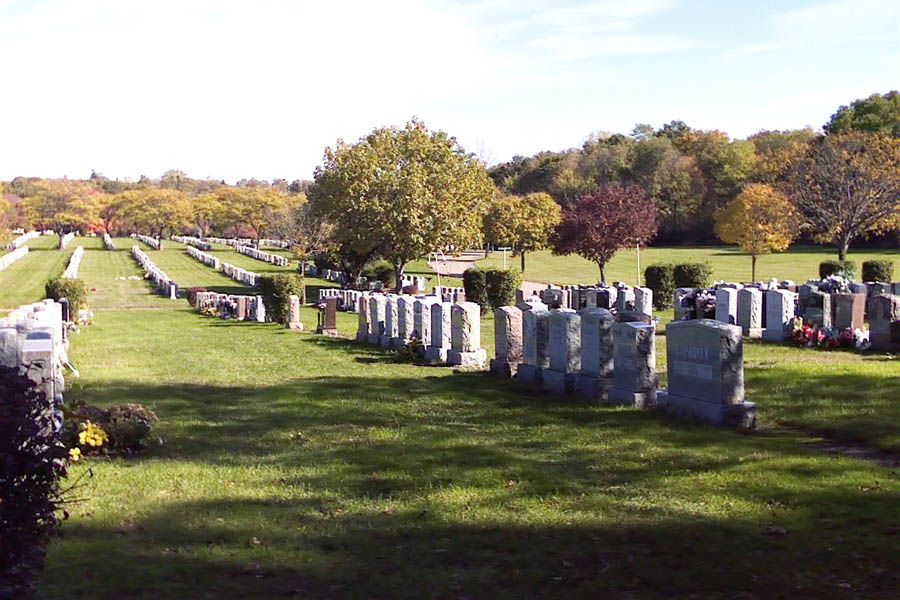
x=475, y=284
x=661, y=279
x=878, y=270
x=845, y=268
x=501, y=286
x=276, y=291
x=691, y=275
x=33, y=459
x=73, y=290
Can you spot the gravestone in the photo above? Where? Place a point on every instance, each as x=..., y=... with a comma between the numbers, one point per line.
x=677, y=298
x=625, y=299
x=293, y=321
x=780, y=309
x=422, y=320
x=643, y=300
x=439, y=345
x=535, y=345
x=849, y=310
x=259, y=313
x=815, y=308
x=726, y=305
x=362, y=315
x=606, y=297
x=634, y=359
x=328, y=318
x=596, y=353
x=507, y=341
x=749, y=312
x=565, y=352
x=390, y=321
x=465, y=336
x=405, y=318
x=552, y=297
x=376, y=318
x=706, y=374
x=241, y=308
x=884, y=323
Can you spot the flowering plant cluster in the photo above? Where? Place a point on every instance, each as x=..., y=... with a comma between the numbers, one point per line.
x=834, y=284
x=827, y=338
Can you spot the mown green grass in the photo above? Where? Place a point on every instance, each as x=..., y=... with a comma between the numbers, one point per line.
x=799, y=264
x=291, y=465
x=23, y=281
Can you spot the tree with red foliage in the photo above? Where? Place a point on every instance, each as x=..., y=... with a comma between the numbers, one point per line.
x=596, y=226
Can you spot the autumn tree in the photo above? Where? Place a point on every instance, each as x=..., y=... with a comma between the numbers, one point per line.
x=309, y=233
x=596, y=227
x=252, y=204
x=523, y=223
x=206, y=211
x=875, y=114
x=155, y=210
x=846, y=186
x=61, y=204
x=401, y=193
x=760, y=220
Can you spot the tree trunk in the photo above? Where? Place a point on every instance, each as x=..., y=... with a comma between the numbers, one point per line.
x=398, y=276
x=522, y=257
x=602, y=272
x=753, y=267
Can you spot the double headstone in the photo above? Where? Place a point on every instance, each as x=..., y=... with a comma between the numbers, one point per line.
x=507, y=341
x=596, y=353
x=465, y=336
x=634, y=361
x=815, y=307
x=848, y=310
x=705, y=371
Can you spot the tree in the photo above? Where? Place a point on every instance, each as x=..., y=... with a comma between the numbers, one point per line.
x=846, y=186
x=875, y=114
x=252, y=204
x=402, y=193
x=206, y=210
x=154, y=210
x=309, y=233
x=523, y=223
x=109, y=211
x=595, y=227
x=760, y=220
x=61, y=204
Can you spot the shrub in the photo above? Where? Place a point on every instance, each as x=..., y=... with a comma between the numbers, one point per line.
x=126, y=426
x=33, y=459
x=878, y=270
x=501, y=286
x=276, y=291
x=691, y=275
x=380, y=270
x=844, y=268
x=661, y=279
x=475, y=285
x=192, y=294
x=74, y=290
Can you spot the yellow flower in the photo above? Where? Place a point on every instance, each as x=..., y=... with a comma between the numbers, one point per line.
x=91, y=435
x=74, y=454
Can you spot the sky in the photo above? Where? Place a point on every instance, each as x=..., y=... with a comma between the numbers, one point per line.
x=231, y=89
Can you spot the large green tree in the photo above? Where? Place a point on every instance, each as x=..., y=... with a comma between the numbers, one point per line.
x=523, y=223
x=875, y=114
x=401, y=193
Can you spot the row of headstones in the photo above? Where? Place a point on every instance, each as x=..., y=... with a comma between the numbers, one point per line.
x=33, y=339
x=65, y=239
x=164, y=285
x=230, y=306
x=192, y=241
x=417, y=282
x=347, y=300
x=242, y=275
x=334, y=276
x=11, y=257
x=230, y=241
x=443, y=332
x=268, y=257
x=602, y=357
x=22, y=239
x=451, y=294
x=71, y=271
x=153, y=242
x=620, y=297
x=108, y=242
x=283, y=244
x=207, y=259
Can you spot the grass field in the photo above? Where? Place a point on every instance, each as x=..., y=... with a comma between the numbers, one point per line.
x=799, y=264
x=291, y=465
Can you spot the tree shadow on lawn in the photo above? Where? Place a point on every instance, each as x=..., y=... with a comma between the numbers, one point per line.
x=318, y=547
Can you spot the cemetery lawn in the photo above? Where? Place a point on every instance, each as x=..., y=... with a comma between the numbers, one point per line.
x=291, y=465
x=799, y=263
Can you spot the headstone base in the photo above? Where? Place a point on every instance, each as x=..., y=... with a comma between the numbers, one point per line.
x=558, y=383
x=436, y=354
x=773, y=335
x=592, y=387
x=362, y=336
x=645, y=399
x=504, y=368
x=753, y=333
x=476, y=359
x=384, y=341
x=296, y=326
x=328, y=332
x=373, y=339
x=398, y=343
x=741, y=416
x=529, y=374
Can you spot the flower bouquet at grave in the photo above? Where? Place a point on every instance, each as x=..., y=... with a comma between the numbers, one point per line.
x=835, y=284
x=861, y=340
x=706, y=303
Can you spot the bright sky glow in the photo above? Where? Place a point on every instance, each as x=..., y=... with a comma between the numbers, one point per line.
x=231, y=89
